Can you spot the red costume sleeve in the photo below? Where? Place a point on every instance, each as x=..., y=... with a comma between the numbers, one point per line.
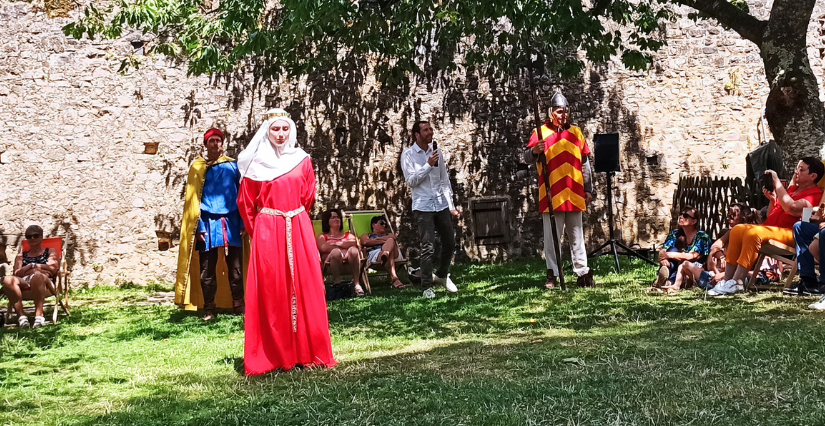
x=308, y=194
x=533, y=140
x=248, y=202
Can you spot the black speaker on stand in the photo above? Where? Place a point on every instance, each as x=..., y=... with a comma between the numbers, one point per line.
x=606, y=150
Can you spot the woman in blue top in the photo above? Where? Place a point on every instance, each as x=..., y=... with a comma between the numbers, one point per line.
x=685, y=244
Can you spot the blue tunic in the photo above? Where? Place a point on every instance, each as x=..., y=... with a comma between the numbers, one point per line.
x=219, y=219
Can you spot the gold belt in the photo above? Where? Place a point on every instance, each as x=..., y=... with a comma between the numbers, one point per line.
x=290, y=254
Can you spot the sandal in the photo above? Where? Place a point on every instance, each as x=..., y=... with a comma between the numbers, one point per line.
x=672, y=291
x=359, y=292
x=398, y=284
x=39, y=322
x=654, y=290
x=22, y=321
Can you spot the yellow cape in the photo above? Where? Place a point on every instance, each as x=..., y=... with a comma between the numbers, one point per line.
x=188, y=293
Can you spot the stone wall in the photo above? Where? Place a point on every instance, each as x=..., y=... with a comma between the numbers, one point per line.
x=73, y=133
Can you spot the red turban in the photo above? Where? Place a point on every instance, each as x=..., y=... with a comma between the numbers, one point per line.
x=212, y=132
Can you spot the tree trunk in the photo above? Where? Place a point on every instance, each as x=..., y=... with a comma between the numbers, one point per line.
x=793, y=109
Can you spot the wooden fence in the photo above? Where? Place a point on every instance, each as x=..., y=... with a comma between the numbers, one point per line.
x=712, y=197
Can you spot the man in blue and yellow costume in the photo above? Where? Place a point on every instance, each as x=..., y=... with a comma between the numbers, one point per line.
x=211, y=230
x=564, y=180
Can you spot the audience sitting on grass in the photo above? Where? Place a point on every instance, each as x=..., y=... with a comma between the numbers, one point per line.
x=33, y=272
x=383, y=248
x=684, y=245
x=785, y=210
x=714, y=271
x=338, y=248
x=806, y=237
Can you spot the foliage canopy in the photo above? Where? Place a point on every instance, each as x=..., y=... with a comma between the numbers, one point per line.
x=401, y=37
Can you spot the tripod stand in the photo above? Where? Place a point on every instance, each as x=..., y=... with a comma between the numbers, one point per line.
x=611, y=242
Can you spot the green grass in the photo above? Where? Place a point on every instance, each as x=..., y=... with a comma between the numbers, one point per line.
x=503, y=351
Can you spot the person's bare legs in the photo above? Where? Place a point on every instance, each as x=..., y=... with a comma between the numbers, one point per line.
x=390, y=249
x=354, y=260
x=687, y=272
x=730, y=270
x=336, y=263
x=739, y=274
x=40, y=291
x=11, y=288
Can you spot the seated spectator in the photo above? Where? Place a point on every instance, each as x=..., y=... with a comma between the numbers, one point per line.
x=785, y=210
x=33, y=272
x=383, y=248
x=806, y=237
x=686, y=244
x=714, y=270
x=338, y=248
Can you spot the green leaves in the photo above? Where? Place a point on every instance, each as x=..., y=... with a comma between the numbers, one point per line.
x=402, y=37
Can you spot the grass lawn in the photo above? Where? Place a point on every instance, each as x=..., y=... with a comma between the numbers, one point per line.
x=503, y=351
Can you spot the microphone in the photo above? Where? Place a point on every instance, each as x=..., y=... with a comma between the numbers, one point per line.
x=435, y=147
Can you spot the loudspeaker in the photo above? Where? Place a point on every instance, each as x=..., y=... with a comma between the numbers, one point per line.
x=606, y=149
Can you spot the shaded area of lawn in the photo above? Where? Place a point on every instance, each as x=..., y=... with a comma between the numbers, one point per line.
x=501, y=351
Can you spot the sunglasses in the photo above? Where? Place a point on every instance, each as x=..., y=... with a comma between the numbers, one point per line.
x=32, y=236
x=381, y=222
x=687, y=216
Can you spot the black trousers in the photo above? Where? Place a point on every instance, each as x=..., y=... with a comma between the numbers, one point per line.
x=428, y=224
x=209, y=281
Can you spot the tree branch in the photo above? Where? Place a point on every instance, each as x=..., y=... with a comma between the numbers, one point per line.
x=729, y=15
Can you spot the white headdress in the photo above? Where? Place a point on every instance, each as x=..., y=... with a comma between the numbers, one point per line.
x=261, y=161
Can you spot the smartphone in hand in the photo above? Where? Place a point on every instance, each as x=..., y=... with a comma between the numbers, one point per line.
x=767, y=182
x=435, y=147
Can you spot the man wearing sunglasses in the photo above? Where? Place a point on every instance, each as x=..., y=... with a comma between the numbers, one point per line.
x=785, y=210
x=383, y=248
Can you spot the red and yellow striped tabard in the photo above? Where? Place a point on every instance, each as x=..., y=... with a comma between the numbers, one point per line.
x=561, y=169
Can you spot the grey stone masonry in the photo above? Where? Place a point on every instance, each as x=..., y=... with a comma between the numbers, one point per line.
x=72, y=135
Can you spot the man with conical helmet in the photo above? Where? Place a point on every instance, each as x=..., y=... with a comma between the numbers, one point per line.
x=564, y=179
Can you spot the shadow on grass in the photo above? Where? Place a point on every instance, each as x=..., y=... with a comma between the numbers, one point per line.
x=493, y=299
x=656, y=374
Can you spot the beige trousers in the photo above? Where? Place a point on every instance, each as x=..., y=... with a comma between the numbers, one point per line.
x=569, y=223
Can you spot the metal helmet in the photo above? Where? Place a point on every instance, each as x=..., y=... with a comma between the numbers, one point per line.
x=559, y=101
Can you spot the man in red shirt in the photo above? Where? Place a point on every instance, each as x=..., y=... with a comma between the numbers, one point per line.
x=785, y=209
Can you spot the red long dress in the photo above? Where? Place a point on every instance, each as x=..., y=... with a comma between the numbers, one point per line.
x=275, y=338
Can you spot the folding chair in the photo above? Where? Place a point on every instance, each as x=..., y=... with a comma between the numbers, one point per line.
x=779, y=252
x=318, y=228
x=60, y=289
x=361, y=225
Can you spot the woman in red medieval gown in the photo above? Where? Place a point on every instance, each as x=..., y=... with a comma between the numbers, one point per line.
x=286, y=320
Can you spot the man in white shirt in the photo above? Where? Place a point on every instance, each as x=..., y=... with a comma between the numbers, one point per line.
x=426, y=174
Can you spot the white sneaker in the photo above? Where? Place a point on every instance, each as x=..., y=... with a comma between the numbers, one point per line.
x=446, y=282
x=723, y=288
x=39, y=322
x=429, y=293
x=819, y=306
